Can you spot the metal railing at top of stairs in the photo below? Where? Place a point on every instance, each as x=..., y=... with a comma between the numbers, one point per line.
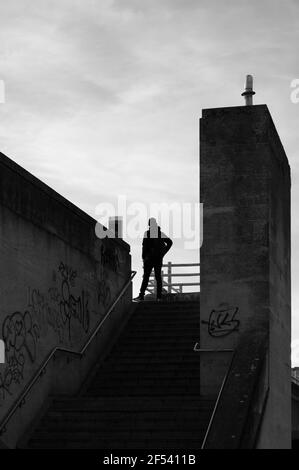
x=41, y=370
x=174, y=287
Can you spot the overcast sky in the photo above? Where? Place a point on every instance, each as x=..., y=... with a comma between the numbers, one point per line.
x=103, y=97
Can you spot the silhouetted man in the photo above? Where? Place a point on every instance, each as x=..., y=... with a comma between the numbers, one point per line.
x=155, y=245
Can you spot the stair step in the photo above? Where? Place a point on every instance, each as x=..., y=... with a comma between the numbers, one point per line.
x=164, y=317
x=175, y=351
x=124, y=434
x=144, y=403
x=166, y=309
x=142, y=392
x=150, y=361
x=144, y=386
x=168, y=315
x=161, y=320
x=167, y=304
x=150, y=372
x=162, y=343
x=166, y=330
x=166, y=361
x=160, y=362
x=157, y=351
x=146, y=343
x=173, y=379
x=160, y=335
x=122, y=417
x=171, y=444
x=161, y=356
x=113, y=426
x=123, y=381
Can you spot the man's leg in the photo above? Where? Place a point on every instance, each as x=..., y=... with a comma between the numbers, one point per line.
x=147, y=269
x=157, y=268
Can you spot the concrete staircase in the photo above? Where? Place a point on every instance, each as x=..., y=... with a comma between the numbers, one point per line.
x=145, y=395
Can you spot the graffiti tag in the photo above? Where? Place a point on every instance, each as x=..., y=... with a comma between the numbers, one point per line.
x=57, y=309
x=110, y=258
x=20, y=334
x=222, y=322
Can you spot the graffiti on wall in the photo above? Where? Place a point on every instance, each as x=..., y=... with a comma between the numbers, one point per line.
x=57, y=309
x=104, y=291
x=110, y=257
x=20, y=334
x=222, y=322
x=73, y=307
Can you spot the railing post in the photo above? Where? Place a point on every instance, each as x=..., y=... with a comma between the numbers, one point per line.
x=169, y=277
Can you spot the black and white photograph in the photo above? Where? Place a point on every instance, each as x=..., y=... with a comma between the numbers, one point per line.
x=149, y=228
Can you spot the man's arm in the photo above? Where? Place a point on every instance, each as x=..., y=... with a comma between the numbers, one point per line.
x=167, y=243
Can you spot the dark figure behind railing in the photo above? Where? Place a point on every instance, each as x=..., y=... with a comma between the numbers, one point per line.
x=155, y=245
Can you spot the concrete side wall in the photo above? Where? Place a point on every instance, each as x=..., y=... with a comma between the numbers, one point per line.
x=277, y=419
x=245, y=187
x=295, y=413
x=57, y=281
x=241, y=405
x=234, y=258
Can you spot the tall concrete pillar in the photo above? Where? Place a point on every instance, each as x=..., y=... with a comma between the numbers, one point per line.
x=245, y=255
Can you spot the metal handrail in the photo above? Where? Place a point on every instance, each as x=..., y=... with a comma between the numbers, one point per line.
x=41, y=369
x=171, y=286
x=217, y=401
x=220, y=395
